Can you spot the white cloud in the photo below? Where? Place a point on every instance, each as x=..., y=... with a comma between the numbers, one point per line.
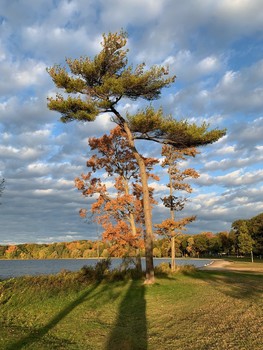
x=58, y=42
x=214, y=48
x=227, y=149
x=44, y=192
x=23, y=153
x=17, y=76
x=158, y=188
x=237, y=15
x=131, y=11
x=240, y=91
x=187, y=67
x=237, y=92
x=236, y=159
x=234, y=178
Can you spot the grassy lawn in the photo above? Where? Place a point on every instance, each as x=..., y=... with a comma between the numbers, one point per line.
x=191, y=310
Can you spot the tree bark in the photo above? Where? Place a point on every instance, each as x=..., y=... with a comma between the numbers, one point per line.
x=173, y=253
x=172, y=233
x=146, y=201
x=148, y=222
x=146, y=209
x=134, y=231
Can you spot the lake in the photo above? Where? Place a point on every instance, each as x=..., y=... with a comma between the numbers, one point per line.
x=15, y=268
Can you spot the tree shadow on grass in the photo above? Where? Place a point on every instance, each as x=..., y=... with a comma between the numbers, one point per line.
x=37, y=334
x=130, y=329
x=240, y=285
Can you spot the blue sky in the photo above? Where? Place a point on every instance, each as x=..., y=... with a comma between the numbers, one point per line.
x=215, y=48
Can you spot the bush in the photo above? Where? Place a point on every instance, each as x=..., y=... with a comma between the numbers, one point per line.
x=164, y=269
x=186, y=268
x=101, y=271
x=95, y=273
x=124, y=274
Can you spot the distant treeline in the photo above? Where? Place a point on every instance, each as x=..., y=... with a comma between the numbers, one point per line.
x=245, y=235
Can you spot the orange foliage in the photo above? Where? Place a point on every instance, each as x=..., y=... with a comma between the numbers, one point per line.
x=208, y=234
x=169, y=226
x=177, y=177
x=11, y=249
x=121, y=212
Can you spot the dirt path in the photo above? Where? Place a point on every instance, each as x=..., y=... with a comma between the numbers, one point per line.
x=234, y=266
x=217, y=265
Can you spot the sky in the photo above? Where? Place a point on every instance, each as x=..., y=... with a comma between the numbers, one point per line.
x=215, y=48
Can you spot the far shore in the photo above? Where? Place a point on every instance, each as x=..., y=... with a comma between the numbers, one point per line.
x=215, y=264
x=112, y=258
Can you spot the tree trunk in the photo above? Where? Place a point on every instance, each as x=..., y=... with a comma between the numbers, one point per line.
x=131, y=216
x=146, y=200
x=173, y=253
x=172, y=233
x=133, y=229
x=146, y=209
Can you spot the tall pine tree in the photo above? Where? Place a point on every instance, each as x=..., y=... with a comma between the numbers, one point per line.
x=96, y=86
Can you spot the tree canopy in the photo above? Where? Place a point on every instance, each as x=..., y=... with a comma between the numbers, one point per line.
x=248, y=234
x=96, y=86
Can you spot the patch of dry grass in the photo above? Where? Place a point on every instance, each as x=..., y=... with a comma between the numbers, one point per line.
x=207, y=310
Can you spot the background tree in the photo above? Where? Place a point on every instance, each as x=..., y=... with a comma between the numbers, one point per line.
x=97, y=86
x=245, y=241
x=191, y=246
x=255, y=227
x=225, y=242
x=242, y=238
x=177, y=183
x=183, y=244
x=172, y=229
x=234, y=235
x=201, y=244
x=215, y=245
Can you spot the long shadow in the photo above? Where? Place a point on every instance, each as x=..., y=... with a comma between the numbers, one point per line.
x=36, y=335
x=130, y=329
x=240, y=285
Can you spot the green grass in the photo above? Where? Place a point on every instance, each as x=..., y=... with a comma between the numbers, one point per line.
x=189, y=310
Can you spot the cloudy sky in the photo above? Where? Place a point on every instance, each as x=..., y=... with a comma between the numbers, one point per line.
x=215, y=48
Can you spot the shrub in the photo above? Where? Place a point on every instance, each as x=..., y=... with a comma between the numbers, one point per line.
x=95, y=273
x=187, y=269
x=164, y=269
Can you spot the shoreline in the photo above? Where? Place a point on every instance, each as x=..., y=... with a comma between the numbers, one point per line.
x=105, y=258
x=217, y=265
x=224, y=265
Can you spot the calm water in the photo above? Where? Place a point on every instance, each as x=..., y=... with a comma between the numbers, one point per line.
x=15, y=268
